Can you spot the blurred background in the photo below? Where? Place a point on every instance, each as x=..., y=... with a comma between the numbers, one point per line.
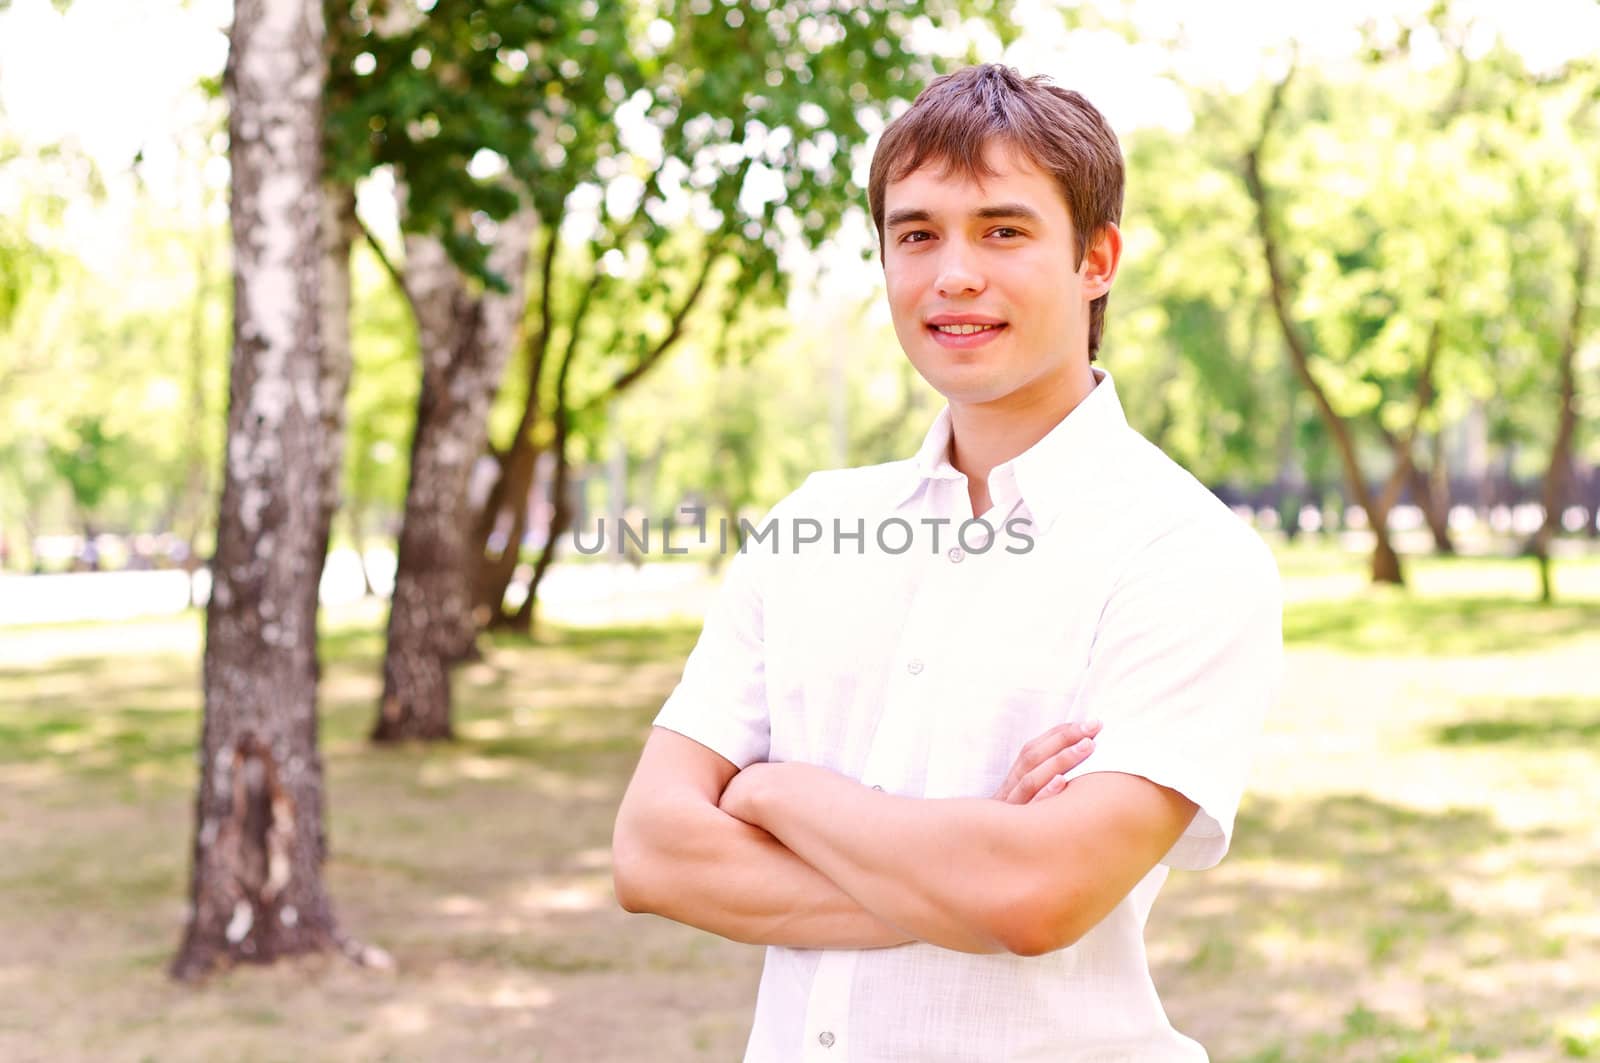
x=602, y=261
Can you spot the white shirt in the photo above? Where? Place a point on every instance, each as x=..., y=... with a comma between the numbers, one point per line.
x=1131, y=595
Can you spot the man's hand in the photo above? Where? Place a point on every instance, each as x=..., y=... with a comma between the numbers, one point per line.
x=1037, y=773
x=738, y=798
x=1040, y=769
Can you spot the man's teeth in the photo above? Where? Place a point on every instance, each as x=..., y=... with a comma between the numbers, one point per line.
x=964, y=330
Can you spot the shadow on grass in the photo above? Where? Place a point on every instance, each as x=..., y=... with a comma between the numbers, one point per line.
x=1342, y=928
x=351, y=643
x=596, y=690
x=86, y=668
x=620, y=644
x=1390, y=623
x=1394, y=920
x=1528, y=721
x=108, y=741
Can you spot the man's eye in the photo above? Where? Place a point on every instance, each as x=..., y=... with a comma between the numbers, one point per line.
x=912, y=237
x=1005, y=230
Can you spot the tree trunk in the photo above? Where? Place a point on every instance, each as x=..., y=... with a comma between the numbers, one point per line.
x=464, y=339
x=358, y=541
x=1592, y=503
x=256, y=890
x=560, y=505
x=509, y=501
x=525, y=618
x=1385, y=562
x=1432, y=490
x=513, y=495
x=338, y=240
x=1554, y=489
x=188, y=510
x=508, y=497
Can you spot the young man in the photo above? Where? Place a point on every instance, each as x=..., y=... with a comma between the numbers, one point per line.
x=830, y=778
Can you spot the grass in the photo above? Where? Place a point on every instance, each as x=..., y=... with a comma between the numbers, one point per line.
x=1413, y=876
x=1429, y=626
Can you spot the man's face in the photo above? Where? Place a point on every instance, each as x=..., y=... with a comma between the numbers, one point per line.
x=997, y=255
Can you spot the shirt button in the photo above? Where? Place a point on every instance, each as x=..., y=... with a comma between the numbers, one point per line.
x=914, y=667
x=956, y=554
x=825, y=1039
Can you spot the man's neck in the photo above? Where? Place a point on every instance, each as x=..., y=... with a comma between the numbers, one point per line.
x=984, y=435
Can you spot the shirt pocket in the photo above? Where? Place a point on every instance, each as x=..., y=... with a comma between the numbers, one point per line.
x=981, y=728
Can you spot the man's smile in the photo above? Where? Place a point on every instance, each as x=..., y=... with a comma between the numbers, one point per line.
x=965, y=336
x=964, y=330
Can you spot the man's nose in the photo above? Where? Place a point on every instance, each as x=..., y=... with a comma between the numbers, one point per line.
x=958, y=272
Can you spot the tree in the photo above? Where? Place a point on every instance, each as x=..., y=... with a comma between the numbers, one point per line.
x=1373, y=289
x=1556, y=205
x=256, y=888
x=383, y=398
x=88, y=461
x=666, y=153
x=464, y=338
x=757, y=118
x=426, y=94
x=1556, y=475
x=24, y=265
x=1192, y=342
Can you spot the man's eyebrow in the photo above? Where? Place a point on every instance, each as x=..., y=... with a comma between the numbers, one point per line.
x=907, y=215
x=1008, y=210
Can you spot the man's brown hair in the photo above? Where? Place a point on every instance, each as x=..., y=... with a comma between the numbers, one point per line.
x=956, y=116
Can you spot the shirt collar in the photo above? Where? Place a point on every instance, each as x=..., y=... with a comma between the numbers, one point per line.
x=1056, y=472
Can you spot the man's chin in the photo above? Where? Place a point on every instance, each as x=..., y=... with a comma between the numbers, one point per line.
x=968, y=392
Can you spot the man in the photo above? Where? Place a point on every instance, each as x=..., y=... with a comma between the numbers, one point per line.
x=824, y=779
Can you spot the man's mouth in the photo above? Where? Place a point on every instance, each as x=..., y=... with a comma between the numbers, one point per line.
x=964, y=330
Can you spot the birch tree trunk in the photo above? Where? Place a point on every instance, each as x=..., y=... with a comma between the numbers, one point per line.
x=256, y=889
x=465, y=339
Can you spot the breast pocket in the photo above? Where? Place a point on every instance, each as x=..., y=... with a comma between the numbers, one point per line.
x=981, y=730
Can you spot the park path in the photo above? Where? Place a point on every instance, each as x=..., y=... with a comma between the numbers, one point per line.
x=582, y=594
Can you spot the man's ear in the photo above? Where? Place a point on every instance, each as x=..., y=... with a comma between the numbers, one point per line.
x=1100, y=261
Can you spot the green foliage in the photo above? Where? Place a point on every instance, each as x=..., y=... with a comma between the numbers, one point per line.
x=89, y=460
x=112, y=374
x=1414, y=203
x=1188, y=335
x=383, y=390
x=745, y=114
x=37, y=185
x=672, y=151
x=658, y=137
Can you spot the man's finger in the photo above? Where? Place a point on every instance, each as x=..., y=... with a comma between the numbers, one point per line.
x=1059, y=764
x=1051, y=788
x=1037, y=751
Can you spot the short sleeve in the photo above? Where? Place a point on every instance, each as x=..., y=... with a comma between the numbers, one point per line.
x=721, y=699
x=1185, y=663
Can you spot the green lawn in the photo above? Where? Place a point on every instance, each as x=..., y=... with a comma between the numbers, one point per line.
x=1414, y=877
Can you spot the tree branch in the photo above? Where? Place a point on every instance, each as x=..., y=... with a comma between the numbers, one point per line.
x=1403, y=458
x=535, y=349
x=1567, y=423
x=388, y=264
x=1299, y=349
x=632, y=374
x=539, y=342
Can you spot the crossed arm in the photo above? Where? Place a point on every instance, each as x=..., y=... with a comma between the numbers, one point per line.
x=794, y=854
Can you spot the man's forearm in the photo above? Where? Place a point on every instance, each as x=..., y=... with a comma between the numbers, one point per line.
x=710, y=870
x=951, y=868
